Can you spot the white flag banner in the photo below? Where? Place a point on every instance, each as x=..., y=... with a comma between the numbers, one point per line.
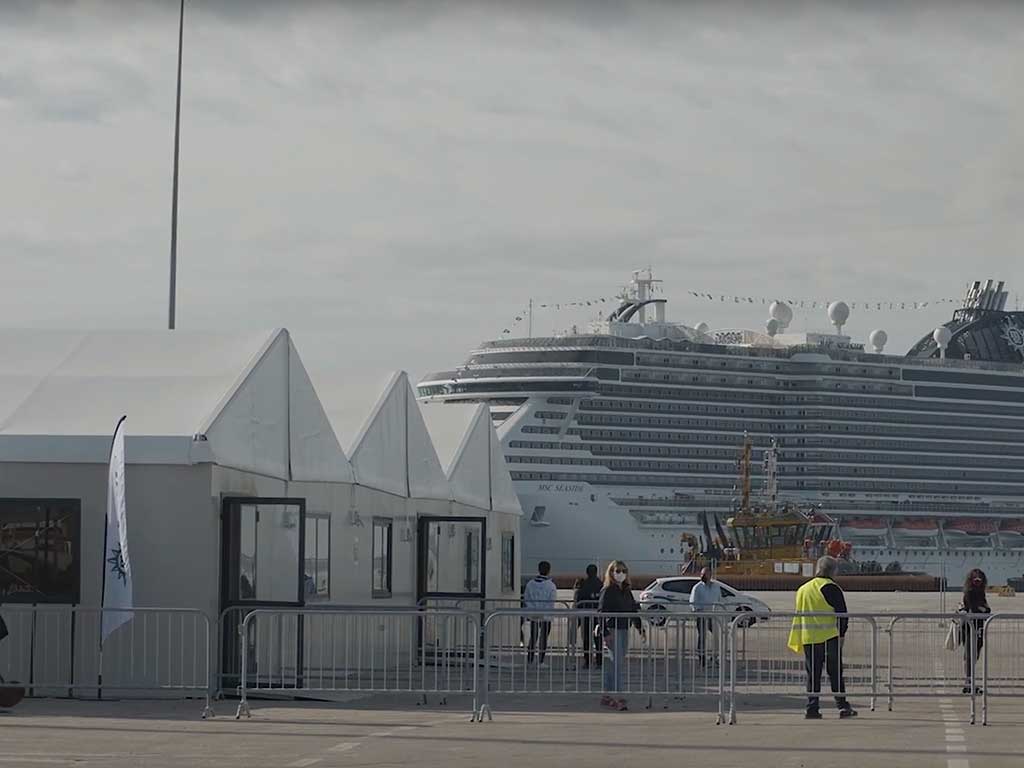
x=117, y=575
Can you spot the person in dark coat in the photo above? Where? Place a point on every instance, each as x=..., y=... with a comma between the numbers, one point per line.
x=975, y=601
x=587, y=594
x=616, y=598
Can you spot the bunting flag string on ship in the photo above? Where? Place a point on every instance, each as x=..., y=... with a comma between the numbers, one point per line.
x=523, y=315
x=884, y=305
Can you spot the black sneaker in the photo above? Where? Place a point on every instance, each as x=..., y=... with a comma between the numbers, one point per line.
x=847, y=712
x=812, y=714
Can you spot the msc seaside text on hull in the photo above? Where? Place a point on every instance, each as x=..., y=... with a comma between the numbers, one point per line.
x=620, y=437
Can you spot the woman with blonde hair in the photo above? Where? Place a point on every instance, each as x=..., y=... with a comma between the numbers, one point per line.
x=617, y=599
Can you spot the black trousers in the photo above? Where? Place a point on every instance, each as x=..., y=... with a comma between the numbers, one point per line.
x=539, y=631
x=830, y=655
x=704, y=627
x=587, y=628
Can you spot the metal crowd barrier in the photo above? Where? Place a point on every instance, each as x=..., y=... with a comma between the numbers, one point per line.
x=486, y=652
x=1002, y=658
x=55, y=651
x=761, y=662
x=325, y=651
x=918, y=663
x=560, y=653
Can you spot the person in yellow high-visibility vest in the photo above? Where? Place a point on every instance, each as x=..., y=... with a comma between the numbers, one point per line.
x=820, y=638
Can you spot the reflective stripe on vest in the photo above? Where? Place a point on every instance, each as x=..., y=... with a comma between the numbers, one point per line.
x=810, y=630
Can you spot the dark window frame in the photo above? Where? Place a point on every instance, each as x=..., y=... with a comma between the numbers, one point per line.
x=314, y=519
x=508, y=562
x=230, y=564
x=73, y=596
x=387, y=584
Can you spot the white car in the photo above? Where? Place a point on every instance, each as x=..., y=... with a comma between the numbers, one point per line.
x=672, y=594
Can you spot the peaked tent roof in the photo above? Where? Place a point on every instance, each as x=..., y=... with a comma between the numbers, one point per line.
x=393, y=451
x=61, y=393
x=464, y=432
x=477, y=471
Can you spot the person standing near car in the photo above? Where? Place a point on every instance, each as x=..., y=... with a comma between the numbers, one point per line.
x=616, y=598
x=587, y=594
x=539, y=595
x=820, y=638
x=705, y=598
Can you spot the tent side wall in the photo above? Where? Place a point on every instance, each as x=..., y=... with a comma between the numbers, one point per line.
x=173, y=539
x=173, y=527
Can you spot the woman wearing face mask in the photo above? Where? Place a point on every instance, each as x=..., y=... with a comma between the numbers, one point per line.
x=616, y=598
x=975, y=601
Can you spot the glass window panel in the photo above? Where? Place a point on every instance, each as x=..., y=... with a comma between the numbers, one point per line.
x=39, y=550
x=508, y=563
x=247, y=553
x=382, y=550
x=277, y=552
x=453, y=557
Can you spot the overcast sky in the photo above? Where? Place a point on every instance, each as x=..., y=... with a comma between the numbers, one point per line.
x=393, y=181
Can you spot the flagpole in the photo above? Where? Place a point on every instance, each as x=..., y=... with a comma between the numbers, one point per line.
x=173, y=287
x=103, y=562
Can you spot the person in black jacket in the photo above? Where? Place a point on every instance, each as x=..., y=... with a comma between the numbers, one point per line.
x=975, y=601
x=616, y=598
x=585, y=599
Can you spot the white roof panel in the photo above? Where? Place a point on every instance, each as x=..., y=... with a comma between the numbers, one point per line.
x=426, y=478
x=316, y=454
x=448, y=425
x=167, y=382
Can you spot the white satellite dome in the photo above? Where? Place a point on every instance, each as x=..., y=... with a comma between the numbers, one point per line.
x=780, y=310
x=772, y=326
x=838, y=314
x=878, y=338
x=942, y=336
x=702, y=328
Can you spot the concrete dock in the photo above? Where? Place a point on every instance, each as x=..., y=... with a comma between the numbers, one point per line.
x=390, y=731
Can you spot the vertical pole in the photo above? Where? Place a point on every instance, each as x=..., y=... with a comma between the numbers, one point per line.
x=103, y=592
x=172, y=293
x=530, y=316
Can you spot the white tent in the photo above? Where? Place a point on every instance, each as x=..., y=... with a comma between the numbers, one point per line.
x=473, y=460
x=392, y=450
x=240, y=400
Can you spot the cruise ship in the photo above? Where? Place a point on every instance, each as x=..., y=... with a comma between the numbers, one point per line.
x=619, y=438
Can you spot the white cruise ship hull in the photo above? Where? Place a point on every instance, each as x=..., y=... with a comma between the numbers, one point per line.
x=619, y=438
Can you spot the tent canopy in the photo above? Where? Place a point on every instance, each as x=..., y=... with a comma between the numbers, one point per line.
x=241, y=400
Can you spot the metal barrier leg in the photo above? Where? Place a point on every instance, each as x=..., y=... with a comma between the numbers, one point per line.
x=243, y=704
x=732, y=676
x=891, y=644
x=874, y=664
x=984, y=680
x=973, y=651
x=723, y=646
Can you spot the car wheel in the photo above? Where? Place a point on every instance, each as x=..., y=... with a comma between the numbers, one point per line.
x=746, y=621
x=655, y=615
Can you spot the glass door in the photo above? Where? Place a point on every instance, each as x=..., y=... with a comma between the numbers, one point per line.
x=262, y=558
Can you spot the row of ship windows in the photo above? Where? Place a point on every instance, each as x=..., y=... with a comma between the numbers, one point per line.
x=860, y=486
x=796, y=412
x=895, y=402
x=846, y=457
x=693, y=362
x=737, y=360
x=836, y=441
x=766, y=382
x=872, y=429
x=729, y=468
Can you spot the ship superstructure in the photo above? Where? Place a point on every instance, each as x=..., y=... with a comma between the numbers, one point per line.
x=620, y=438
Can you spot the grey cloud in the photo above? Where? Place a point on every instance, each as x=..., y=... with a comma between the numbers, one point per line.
x=415, y=172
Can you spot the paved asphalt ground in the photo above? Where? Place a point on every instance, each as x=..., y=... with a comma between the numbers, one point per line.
x=393, y=731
